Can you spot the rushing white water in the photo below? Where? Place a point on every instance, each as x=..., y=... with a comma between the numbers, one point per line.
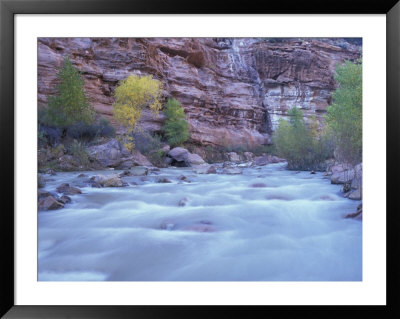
x=268, y=224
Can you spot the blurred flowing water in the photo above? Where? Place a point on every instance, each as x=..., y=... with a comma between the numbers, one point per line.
x=267, y=224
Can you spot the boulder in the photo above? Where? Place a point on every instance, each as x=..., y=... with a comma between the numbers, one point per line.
x=356, y=183
x=267, y=159
x=65, y=199
x=41, y=181
x=342, y=177
x=275, y=159
x=167, y=161
x=68, y=190
x=356, y=194
x=49, y=203
x=106, y=181
x=194, y=159
x=233, y=157
x=114, y=154
x=248, y=156
x=357, y=215
x=42, y=193
x=113, y=181
x=165, y=149
x=341, y=167
x=178, y=154
x=228, y=165
x=139, y=159
x=261, y=160
x=183, y=157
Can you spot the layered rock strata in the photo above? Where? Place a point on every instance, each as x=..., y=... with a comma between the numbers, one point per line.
x=233, y=90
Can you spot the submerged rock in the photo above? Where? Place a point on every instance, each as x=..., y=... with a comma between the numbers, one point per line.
x=42, y=193
x=139, y=171
x=64, y=199
x=258, y=185
x=356, y=194
x=106, y=181
x=68, y=190
x=167, y=225
x=205, y=169
x=357, y=215
x=163, y=180
x=49, y=203
x=232, y=171
x=201, y=228
x=183, y=202
x=113, y=181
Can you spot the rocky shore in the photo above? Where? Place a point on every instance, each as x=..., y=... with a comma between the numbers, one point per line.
x=135, y=167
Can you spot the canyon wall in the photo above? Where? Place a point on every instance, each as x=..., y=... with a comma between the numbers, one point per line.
x=233, y=90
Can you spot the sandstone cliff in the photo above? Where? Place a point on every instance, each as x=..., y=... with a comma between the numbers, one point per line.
x=233, y=90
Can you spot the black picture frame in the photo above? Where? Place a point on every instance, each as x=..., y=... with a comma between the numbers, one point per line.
x=9, y=8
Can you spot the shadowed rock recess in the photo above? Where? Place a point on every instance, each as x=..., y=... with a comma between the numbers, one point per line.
x=233, y=90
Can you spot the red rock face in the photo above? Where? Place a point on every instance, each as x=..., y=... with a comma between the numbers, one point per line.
x=233, y=90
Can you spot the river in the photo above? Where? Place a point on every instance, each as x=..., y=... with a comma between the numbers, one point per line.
x=267, y=224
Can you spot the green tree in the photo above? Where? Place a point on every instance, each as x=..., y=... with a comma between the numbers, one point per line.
x=345, y=114
x=69, y=105
x=176, y=127
x=302, y=146
x=131, y=96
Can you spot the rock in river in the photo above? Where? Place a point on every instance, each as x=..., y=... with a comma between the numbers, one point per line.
x=182, y=157
x=68, y=190
x=49, y=203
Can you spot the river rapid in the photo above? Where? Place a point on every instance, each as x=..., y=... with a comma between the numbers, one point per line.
x=267, y=224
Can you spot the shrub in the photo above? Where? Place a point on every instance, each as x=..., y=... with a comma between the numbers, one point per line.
x=156, y=157
x=345, y=114
x=48, y=134
x=105, y=128
x=131, y=96
x=70, y=105
x=82, y=130
x=175, y=128
x=145, y=142
x=299, y=144
x=78, y=150
x=263, y=149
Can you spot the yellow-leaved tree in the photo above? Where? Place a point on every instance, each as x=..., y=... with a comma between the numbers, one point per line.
x=131, y=96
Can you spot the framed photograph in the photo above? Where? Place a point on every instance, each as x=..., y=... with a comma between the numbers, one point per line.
x=168, y=159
